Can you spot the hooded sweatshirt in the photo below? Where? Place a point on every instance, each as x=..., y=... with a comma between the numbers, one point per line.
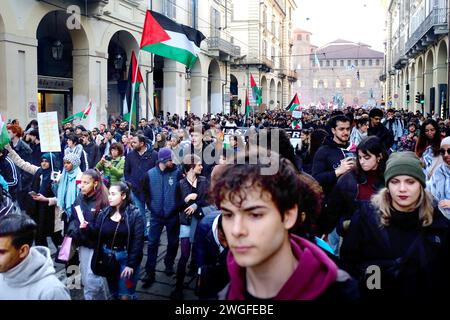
x=33, y=279
x=314, y=275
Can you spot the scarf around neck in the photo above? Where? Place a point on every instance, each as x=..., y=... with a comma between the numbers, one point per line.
x=68, y=189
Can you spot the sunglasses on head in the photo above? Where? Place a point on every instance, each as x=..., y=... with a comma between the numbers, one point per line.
x=443, y=151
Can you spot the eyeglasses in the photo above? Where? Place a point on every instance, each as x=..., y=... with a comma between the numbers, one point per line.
x=443, y=151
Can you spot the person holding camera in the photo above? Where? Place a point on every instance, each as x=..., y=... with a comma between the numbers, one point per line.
x=112, y=165
x=193, y=189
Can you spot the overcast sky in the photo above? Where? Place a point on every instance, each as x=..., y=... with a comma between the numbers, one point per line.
x=353, y=20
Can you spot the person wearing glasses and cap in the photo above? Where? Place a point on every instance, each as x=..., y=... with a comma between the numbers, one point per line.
x=439, y=185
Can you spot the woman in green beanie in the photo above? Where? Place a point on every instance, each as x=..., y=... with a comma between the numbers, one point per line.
x=398, y=242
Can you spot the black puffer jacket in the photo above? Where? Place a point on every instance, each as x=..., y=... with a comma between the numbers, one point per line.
x=326, y=161
x=87, y=205
x=343, y=202
x=383, y=133
x=93, y=154
x=413, y=260
x=135, y=225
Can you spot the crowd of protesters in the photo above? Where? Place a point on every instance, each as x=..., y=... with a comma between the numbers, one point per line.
x=362, y=189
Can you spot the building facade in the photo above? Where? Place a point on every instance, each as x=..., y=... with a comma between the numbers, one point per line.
x=56, y=55
x=302, y=52
x=341, y=73
x=263, y=29
x=417, y=55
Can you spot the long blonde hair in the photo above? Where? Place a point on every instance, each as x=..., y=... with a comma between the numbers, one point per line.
x=383, y=201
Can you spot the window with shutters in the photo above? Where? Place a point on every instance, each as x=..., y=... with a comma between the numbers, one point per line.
x=215, y=23
x=169, y=9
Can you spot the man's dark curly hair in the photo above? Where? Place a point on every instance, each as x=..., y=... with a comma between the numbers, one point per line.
x=286, y=187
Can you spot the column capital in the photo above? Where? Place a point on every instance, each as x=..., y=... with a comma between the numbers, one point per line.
x=25, y=41
x=89, y=53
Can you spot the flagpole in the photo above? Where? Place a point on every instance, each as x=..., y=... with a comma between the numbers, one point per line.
x=133, y=88
x=148, y=98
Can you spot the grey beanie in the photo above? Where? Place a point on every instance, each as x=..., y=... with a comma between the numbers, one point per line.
x=73, y=158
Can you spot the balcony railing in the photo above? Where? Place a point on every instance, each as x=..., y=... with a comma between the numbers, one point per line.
x=224, y=46
x=292, y=75
x=398, y=54
x=267, y=62
x=437, y=17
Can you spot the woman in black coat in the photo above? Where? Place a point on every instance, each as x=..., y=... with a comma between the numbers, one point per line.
x=193, y=190
x=397, y=245
x=119, y=230
x=42, y=213
x=359, y=184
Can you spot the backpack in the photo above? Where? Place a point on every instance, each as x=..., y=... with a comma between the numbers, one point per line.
x=7, y=204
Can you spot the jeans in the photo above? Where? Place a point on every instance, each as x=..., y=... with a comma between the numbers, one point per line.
x=118, y=286
x=141, y=206
x=94, y=286
x=156, y=227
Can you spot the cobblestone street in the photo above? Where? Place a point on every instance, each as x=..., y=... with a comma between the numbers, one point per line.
x=161, y=288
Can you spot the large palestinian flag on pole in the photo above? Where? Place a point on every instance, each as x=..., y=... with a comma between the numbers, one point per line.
x=164, y=37
x=127, y=100
x=294, y=104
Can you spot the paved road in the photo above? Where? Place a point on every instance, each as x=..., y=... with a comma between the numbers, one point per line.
x=161, y=288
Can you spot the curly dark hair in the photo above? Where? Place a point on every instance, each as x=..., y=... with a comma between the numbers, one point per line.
x=286, y=187
x=423, y=140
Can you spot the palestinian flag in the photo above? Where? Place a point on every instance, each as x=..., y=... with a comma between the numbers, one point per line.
x=79, y=115
x=136, y=80
x=4, y=136
x=166, y=38
x=247, y=106
x=294, y=104
x=255, y=90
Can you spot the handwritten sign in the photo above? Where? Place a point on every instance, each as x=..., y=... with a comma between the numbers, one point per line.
x=48, y=131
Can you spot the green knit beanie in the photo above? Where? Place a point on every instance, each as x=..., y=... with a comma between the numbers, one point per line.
x=404, y=163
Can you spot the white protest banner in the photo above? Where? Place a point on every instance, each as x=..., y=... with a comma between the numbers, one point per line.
x=48, y=131
x=297, y=114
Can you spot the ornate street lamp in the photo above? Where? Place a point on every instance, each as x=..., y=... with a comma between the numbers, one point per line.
x=187, y=74
x=118, y=61
x=57, y=50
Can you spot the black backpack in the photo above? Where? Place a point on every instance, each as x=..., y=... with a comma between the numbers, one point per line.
x=7, y=204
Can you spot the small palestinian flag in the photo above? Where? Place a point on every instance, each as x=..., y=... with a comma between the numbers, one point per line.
x=294, y=104
x=166, y=38
x=4, y=136
x=247, y=106
x=79, y=115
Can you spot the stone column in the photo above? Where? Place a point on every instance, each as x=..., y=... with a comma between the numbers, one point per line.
x=174, y=92
x=90, y=82
x=439, y=77
x=199, y=93
x=18, y=78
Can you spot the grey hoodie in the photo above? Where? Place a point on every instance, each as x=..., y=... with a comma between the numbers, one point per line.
x=33, y=279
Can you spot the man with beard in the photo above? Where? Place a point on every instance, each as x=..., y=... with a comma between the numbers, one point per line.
x=331, y=161
x=137, y=162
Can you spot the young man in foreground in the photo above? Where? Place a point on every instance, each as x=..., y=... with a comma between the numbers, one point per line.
x=265, y=260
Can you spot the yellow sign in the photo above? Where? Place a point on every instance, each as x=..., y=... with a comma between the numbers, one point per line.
x=48, y=131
